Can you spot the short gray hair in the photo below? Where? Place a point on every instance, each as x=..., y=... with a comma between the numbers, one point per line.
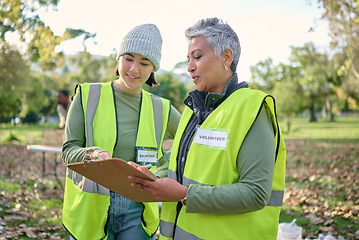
x=220, y=36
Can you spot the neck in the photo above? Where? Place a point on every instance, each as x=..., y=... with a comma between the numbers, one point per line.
x=226, y=76
x=123, y=86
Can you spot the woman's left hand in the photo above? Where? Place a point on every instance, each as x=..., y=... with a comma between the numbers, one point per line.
x=164, y=189
x=142, y=169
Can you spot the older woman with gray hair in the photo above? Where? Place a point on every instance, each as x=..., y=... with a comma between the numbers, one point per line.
x=227, y=168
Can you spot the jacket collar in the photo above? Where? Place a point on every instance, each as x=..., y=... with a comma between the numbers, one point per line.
x=203, y=103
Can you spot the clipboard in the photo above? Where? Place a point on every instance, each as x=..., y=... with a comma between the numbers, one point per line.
x=113, y=175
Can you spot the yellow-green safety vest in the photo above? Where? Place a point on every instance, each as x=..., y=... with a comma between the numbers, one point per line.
x=215, y=162
x=86, y=203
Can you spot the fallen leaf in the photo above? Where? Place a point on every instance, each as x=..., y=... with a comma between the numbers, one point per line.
x=314, y=219
x=328, y=222
x=30, y=233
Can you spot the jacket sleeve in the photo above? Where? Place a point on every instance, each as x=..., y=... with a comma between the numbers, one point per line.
x=174, y=119
x=73, y=148
x=255, y=161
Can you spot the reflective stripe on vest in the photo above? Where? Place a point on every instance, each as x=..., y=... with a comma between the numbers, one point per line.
x=261, y=224
x=276, y=198
x=92, y=102
x=83, y=195
x=156, y=121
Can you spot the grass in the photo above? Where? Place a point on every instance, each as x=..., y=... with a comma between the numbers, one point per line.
x=9, y=186
x=344, y=127
x=23, y=133
x=26, y=212
x=322, y=187
x=321, y=179
x=322, y=168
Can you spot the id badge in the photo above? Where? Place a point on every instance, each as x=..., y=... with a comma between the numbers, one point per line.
x=212, y=138
x=145, y=155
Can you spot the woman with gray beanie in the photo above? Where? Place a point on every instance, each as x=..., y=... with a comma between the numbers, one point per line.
x=117, y=120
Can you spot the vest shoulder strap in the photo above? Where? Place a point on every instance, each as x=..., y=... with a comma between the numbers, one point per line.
x=92, y=103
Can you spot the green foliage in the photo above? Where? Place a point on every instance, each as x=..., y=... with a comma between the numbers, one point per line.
x=14, y=80
x=23, y=91
x=170, y=88
x=263, y=75
x=21, y=17
x=343, y=18
x=40, y=96
x=88, y=68
x=288, y=93
x=31, y=117
x=74, y=33
x=308, y=82
x=314, y=75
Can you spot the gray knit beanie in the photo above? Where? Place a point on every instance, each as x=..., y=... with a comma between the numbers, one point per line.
x=145, y=40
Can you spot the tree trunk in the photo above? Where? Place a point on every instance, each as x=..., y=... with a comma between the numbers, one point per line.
x=289, y=123
x=313, y=118
x=330, y=110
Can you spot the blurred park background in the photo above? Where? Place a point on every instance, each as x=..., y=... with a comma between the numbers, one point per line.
x=316, y=92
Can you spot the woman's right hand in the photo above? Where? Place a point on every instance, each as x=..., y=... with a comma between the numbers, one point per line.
x=142, y=169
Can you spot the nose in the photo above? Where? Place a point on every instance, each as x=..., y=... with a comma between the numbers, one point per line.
x=191, y=66
x=134, y=67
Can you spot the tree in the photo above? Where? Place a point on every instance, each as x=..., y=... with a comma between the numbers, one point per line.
x=288, y=93
x=343, y=18
x=40, y=96
x=108, y=66
x=180, y=69
x=282, y=81
x=335, y=94
x=170, y=88
x=21, y=16
x=14, y=79
x=88, y=68
x=263, y=75
x=313, y=76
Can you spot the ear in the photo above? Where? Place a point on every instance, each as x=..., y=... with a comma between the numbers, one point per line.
x=227, y=57
x=117, y=74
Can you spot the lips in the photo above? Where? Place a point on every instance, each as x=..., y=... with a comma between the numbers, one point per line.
x=195, y=78
x=132, y=77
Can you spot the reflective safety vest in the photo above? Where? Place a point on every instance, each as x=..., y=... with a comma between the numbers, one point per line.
x=212, y=160
x=86, y=203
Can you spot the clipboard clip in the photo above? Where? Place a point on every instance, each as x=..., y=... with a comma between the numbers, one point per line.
x=148, y=166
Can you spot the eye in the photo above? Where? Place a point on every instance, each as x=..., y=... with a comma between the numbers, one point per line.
x=197, y=57
x=145, y=64
x=129, y=59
